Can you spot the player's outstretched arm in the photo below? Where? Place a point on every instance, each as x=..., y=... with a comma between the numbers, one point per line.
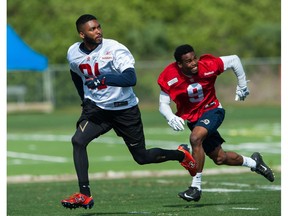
x=233, y=62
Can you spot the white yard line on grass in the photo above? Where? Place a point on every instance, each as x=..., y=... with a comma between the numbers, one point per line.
x=245, y=208
x=131, y=174
x=36, y=157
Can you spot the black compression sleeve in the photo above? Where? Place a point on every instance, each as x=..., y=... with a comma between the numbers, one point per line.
x=125, y=79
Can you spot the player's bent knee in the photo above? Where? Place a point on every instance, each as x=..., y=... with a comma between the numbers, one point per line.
x=195, y=141
x=77, y=142
x=219, y=160
x=140, y=161
x=140, y=156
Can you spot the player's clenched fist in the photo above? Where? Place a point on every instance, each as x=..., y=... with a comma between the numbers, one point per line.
x=241, y=93
x=93, y=83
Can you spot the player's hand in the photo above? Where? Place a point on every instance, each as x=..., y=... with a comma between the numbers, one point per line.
x=92, y=83
x=176, y=123
x=241, y=93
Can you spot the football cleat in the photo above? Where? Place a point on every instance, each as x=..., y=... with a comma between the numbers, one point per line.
x=188, y=162
x=78, y=200
x=261, y=167
x=192, y=194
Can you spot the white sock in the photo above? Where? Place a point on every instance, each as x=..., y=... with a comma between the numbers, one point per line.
x=248, y=162
x=196, y=181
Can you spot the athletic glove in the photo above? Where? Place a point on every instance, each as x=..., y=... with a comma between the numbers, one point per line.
x=93, y=83
x=241, y=93
x=176, y=123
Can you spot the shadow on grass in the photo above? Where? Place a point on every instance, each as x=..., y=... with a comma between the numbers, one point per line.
x=117, y=213
x=193, y=205
x=190, y=205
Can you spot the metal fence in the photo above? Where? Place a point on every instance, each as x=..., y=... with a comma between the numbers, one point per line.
x=264, y=75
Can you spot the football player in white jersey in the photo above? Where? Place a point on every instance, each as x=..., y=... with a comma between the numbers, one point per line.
x=104, y=75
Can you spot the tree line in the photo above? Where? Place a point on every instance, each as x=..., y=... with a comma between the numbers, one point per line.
x=152, y=29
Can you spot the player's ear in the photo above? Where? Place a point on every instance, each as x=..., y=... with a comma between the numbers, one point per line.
x=179, y=64
x=81, y=34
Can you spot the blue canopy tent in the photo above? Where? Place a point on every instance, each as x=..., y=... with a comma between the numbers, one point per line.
x=20, y=57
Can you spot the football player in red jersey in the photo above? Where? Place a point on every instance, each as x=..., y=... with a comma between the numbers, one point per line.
x=190, y=83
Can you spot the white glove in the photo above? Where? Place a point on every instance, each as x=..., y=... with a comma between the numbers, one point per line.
x=241, y=93
x=176, y=123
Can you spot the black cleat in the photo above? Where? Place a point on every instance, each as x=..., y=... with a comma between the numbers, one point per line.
x=192, y=194
x=261, y=167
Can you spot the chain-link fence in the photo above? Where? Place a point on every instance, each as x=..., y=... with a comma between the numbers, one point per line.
x=264, y=75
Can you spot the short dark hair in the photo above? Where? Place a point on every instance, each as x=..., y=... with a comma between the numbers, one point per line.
x=83, y=19
x=182, y=50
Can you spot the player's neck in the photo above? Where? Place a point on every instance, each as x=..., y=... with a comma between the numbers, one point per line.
x=187, y=75
x=90, y=47
x=87, y=48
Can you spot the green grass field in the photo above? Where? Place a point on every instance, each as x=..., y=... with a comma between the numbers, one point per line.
x=223, y=195
x=39, y=149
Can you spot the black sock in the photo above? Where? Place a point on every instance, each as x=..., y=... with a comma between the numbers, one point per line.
x=162, y=155
x=85, y=188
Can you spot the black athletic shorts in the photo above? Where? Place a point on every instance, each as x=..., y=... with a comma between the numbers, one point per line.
x=211, y=120
x=127, y=123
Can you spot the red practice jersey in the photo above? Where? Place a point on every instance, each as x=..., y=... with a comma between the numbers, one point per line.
x=192, y=95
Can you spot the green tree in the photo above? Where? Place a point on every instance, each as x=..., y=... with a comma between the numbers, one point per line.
x=151, y=29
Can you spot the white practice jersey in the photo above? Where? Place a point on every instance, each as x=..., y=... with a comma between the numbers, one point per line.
x=109, y=57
